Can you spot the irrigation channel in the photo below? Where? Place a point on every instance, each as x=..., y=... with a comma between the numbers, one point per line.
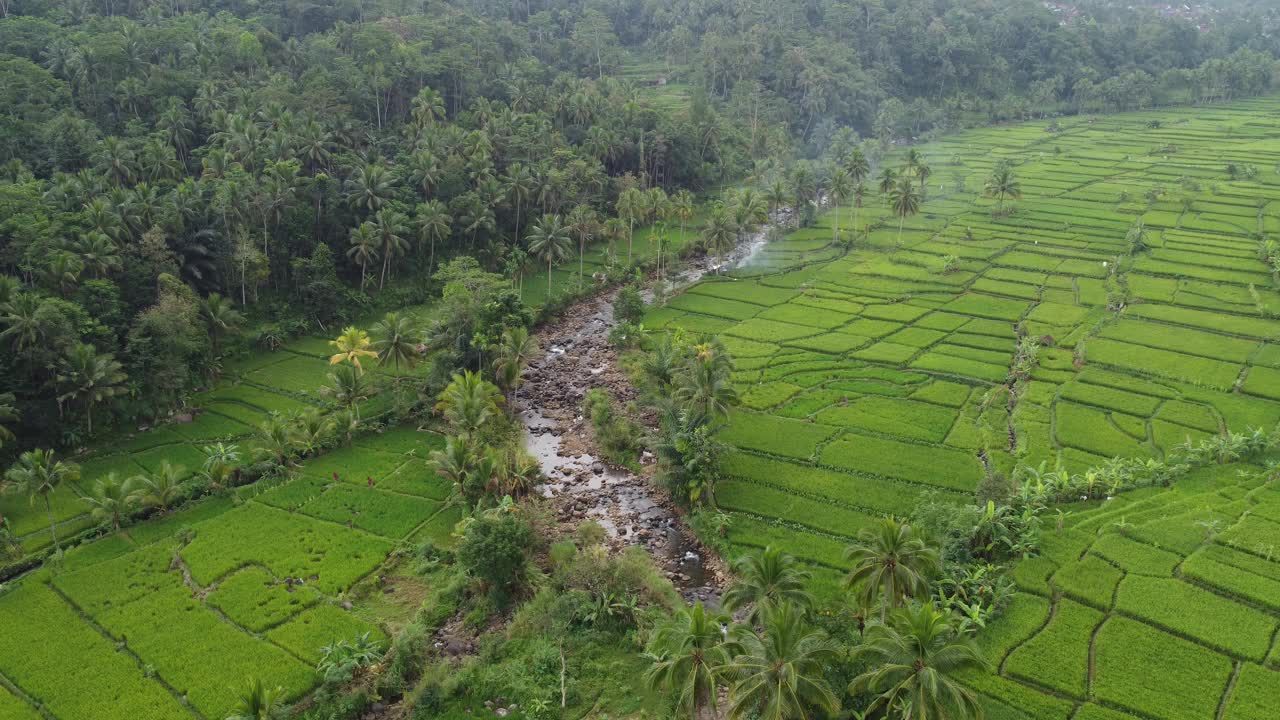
x=628, y=505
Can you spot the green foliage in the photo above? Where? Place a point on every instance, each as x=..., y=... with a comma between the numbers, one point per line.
x=616, y=434
x=494, y=550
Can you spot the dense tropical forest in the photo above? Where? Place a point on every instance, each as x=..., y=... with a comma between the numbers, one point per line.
x=638, y=359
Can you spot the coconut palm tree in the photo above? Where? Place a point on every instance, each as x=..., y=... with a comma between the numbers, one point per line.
x=38, y=474
x=468, y=402
x=364, y=248
x=804, y=188
x=1136, y=238
x=582, y=222
x=347, y=388
x=922, y=173
x=839, y=188
x=776, y=194
x=887, y=182
x=395, y=339
x=162, y=488
x=221, y=461
x=682, y=206
x=351, y=345
x=859, y=194
x=719, y=231
x=511, y=356
x=8, y=414
x=97, y=253
x=915, y=658
x=221, y=318
x=520, y=185
x=704, y=386
x=857, y=165
x=549, y=241
x=890, y=559
x=433, y=222
x=390, y=227
x=427, y=108
x=765, y=580
x=1002, y=184
x=779, y=672
x=112, y=498
x=686, y=656
x=89, y=378
x=312, y=428
x=456, y=463
x=631, y=207
x=905, y=202
x=258, y=702
x=369, y=187
x=913, y=161
x=276, y=440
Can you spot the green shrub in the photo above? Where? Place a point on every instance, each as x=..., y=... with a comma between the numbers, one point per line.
x=618, y=437
x=494, y=550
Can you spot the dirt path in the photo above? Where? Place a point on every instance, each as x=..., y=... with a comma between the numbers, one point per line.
x=630, y=506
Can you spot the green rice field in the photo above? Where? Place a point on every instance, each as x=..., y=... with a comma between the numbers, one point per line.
x=872, y=378
x=174, y=614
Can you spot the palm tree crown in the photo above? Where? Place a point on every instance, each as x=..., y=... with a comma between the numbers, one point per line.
x=766, y=580
x=779, y=673
x=1002, y=185
x=687, y=655
x=915, y=658
x=890, y=559
x=351, y=345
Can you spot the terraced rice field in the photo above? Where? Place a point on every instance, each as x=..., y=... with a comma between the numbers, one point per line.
x=871, y=379
x=170, y=617
x=1161, y=604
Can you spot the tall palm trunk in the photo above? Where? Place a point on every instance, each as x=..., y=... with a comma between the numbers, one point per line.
x=631, y=232
x=53, y=526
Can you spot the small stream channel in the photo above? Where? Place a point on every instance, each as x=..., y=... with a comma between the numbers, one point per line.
x=578, y=357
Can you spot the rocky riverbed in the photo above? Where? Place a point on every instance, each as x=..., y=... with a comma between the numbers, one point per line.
x=632, y=509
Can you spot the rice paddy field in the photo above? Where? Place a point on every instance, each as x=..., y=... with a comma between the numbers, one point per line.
x=168, y=618
x=870, y=379
x=140, y=621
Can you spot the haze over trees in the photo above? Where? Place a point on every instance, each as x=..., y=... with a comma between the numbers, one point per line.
x=267, y=345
